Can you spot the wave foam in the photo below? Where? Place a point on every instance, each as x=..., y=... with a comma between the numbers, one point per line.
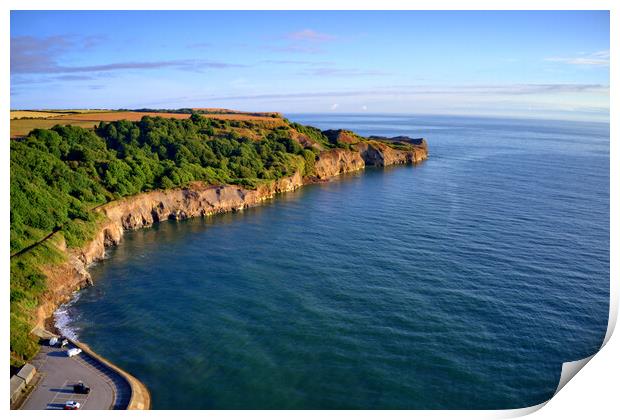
x=63, y=319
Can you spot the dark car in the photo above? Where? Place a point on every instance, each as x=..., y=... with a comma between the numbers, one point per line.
x=81, y=388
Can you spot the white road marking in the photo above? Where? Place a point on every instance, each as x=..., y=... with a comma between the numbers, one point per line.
x=56, y=397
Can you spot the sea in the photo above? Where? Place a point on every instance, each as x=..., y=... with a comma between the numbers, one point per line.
x=463, y=282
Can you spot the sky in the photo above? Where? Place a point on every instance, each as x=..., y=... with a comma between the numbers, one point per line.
x=552, y=64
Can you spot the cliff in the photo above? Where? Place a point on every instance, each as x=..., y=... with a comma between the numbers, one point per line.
x=198, y=199
x=364, y=153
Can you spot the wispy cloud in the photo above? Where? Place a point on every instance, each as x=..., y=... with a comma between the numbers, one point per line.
x=305, y=41
x=38, y=78
x=188, y=65
x=343, y=72
x=601, y=54
x=200, y=45
x=294, y=48
x=310, y=35
x=74, y=77
x=325, y=68
x=30, y=55
x=599, y=58
x=299, y=62
x=413, y=90
x=579, y=101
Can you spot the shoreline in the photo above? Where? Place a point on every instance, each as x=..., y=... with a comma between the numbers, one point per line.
x=196, y=200
x=53, y=323
x=50, y=323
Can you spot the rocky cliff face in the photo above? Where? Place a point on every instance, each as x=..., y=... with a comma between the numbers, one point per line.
x=369, y=153
x=337, y=161
x=198, y=199
x=143, y=210
x=376, y=153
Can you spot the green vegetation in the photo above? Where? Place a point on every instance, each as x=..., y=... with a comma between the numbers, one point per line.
x=314, y=134
x=27, y=284
x=59, y=175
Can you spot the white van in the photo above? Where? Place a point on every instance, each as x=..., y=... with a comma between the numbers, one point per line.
x=73, y=352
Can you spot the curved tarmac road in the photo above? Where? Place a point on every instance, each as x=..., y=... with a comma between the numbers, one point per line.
x=58, y=373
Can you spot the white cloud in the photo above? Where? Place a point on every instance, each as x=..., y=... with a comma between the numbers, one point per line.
x=601, y=54
x=598, y=58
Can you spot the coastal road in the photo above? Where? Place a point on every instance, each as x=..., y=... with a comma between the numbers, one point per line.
x=58, y=374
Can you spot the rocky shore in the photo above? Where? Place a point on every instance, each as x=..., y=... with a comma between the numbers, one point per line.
x=198, y=199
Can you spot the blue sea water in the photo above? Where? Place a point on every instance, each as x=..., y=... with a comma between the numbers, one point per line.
x=461, y=283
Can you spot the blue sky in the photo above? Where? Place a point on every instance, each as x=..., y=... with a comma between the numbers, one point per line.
x=527, y=63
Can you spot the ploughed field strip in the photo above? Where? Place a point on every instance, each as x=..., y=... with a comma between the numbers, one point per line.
x=59, y=373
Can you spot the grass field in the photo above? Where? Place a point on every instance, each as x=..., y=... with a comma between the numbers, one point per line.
x=89, y=118
x=21, y=128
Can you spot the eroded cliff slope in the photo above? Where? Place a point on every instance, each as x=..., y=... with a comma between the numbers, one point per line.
x=198, y=199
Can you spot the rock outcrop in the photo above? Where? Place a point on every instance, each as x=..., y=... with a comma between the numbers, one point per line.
x=198, y=199
x=337, y=161
x=341, y=136
x=377, y=153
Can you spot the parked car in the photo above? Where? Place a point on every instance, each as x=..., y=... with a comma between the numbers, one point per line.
x=72, y=405
x=64, y=342
x=53, y=341
x=73, y=352
x=81, y=388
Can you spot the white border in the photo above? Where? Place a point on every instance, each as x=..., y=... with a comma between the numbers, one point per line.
x=592, y=395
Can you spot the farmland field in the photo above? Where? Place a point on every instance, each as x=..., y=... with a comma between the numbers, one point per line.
x=120, y=115
x=21, y=128
x=88, y=119
x=49, y=113
x=36, y=114
x=136, y=116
